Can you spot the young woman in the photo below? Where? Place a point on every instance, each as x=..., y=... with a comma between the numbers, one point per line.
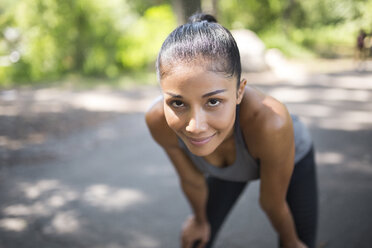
x=220, y=134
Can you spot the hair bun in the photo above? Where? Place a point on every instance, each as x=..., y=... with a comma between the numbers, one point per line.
x=199, y=17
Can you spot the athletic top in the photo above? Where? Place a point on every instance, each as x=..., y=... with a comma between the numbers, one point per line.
x=245, y=167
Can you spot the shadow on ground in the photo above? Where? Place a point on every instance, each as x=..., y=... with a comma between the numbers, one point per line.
x=107, y=184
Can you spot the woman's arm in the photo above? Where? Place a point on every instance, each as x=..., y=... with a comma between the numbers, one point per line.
x=268, y=130
x=191, y=180
x=276, y=153
x=274, y=146
x=193, y=184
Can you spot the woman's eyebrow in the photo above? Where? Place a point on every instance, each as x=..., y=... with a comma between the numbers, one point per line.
x=203, y=96
x=174, y=95
x=214, y=93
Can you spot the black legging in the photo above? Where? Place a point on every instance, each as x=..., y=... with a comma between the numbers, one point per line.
x=302, y=199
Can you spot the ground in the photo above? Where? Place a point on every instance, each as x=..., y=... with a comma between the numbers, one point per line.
x=78, y=168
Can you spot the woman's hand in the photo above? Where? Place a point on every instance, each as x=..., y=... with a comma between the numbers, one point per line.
x=301, y=245
x=193, y=231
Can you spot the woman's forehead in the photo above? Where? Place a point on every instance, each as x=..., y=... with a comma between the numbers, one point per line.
x=216, y=65
x=195, y=70
x=196, y=76
x=196, y=82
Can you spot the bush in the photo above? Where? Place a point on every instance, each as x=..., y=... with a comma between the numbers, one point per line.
x=141, y=43
x=301, y=28
x=90, y=37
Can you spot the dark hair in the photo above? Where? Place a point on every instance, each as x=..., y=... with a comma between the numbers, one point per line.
x=202, y=37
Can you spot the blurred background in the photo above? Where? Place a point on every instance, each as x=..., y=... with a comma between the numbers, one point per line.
x=44, y=41
x=78, y=167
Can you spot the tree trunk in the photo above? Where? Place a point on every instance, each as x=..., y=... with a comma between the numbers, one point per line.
x=185, y=8
x=210, y=7
x=287, y=12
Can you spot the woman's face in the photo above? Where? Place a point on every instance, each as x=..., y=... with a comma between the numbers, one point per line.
x=200, y=106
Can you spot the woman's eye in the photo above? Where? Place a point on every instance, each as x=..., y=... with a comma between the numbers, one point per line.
x=213, y=102
x=177, y=104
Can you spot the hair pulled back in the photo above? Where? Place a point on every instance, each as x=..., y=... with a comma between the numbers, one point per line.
x=202, y=40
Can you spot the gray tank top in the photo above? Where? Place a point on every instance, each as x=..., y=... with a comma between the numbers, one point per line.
x=246, y=168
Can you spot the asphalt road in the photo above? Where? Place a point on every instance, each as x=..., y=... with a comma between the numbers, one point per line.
x=107, y=184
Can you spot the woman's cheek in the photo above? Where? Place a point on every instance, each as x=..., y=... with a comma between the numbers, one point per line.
x=223, y=118
x=174, y=121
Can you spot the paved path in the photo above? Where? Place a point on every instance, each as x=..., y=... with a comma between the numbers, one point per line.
x=104, y=183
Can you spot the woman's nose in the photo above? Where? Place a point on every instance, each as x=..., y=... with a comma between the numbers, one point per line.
x=197, y=123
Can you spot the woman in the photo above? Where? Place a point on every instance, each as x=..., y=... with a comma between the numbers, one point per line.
x=220, y=134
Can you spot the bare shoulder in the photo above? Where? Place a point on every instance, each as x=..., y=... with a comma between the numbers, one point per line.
x=277, y=117
x=264, y=120
x=157, y=124
x=261, y=110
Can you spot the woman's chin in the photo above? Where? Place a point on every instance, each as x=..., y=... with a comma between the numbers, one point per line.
x=200, y=151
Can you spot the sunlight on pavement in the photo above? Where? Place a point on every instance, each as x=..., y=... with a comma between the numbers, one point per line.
x=311, y=110
x=348, y=82
x=325, y=107
x=143, y=240
x=16, y=144
x=33, y=191
x=49, y=202
x=96, y=100
x=347, y=121
x=289, y=72
x=9, y=110
x=362, y=167
x=110, y=245
x=63, y=222
x=11, y=144
x=51, y=195
x=337, y=159
x=56, y=201
x=36, y=209
x=337, y=101
x=331, y=158
x=109, y=198
x=102, y=102
x=292, y=94
x=52, y=207
x=48, y=195
x=13, y=224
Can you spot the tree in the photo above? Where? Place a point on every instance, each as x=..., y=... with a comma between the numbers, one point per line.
x=185, y=8
x=210, y=7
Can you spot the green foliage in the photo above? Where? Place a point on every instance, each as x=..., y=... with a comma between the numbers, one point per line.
x=143, y=40
x=301, y=27
x=289, y=47
x=91, y=37
x=65, y=36
x=107, y=38
x=140, y=6
x=260, y=15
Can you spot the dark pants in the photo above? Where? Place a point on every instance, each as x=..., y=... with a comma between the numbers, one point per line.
x=302, y=199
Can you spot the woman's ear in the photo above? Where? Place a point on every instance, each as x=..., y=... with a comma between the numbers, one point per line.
x=240, y=92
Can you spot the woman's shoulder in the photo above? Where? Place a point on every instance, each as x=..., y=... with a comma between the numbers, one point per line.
x=262, y=117
x=157, y=124
x=261, y=110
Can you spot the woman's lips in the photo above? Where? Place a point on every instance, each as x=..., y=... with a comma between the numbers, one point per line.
x=200, y=141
